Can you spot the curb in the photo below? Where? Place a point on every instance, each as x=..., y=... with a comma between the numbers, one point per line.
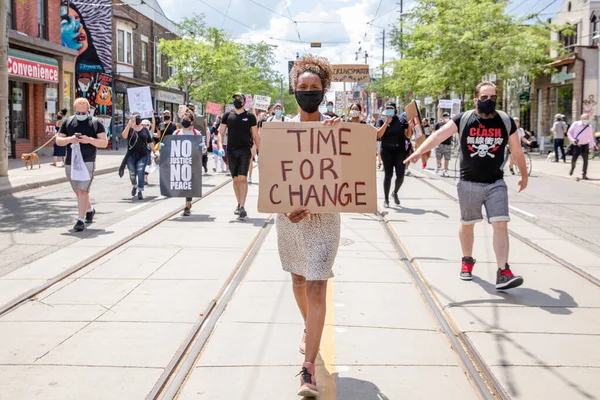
x=35, y=185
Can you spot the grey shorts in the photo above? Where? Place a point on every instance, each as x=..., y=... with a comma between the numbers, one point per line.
x=493, y=196
x=81, y=185
x=443, y=150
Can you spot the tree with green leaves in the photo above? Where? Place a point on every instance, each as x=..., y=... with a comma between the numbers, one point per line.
x=448, y=45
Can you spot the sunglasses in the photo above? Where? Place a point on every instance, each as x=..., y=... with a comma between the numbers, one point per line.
x=485, y=98
x=82, y=112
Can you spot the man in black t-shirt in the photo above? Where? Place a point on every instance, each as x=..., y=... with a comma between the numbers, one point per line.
x=242, y=134
x=484, y=134
x=444, y=150
x=82, y=134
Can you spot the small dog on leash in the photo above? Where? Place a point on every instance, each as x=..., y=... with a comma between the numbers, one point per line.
x=30, y=158
x=550, y=157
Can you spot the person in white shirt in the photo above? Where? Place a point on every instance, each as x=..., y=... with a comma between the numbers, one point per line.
x=559, y=129
x=581, y=136
x=522, y=139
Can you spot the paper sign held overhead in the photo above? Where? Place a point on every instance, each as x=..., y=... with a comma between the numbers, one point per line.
x=328, y=169
x=262, y=102
x=358, y=73
x=446, y=104
x=214, y=108
x=140, y=101
x=248, y=104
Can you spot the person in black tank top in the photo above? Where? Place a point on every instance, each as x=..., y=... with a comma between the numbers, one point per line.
x=394, y=148
x=139, y=146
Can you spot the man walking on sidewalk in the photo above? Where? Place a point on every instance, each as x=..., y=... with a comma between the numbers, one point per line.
x=559, y=129
x=484, y=134
x=82, y=134
x=444, y=150
x=242, y=133
x=581, y=136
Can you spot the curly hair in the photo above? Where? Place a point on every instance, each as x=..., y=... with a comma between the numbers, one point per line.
x=315, y=64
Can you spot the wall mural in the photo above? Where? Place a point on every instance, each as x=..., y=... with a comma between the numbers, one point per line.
x=87, y=28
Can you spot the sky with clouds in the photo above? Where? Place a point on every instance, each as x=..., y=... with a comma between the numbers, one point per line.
x=343, y=26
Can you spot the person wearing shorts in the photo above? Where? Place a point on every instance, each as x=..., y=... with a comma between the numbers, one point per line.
x=484, y=134
x=89, y=134
x=444, y=150
x=242, y=134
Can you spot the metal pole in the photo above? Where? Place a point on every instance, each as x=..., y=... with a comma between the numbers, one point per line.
x=401, y=27
x=4, y=128
x=383, y=56
x=281, y=85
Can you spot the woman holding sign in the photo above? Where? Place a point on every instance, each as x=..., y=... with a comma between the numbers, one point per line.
x=308, y=242
x=139, y=145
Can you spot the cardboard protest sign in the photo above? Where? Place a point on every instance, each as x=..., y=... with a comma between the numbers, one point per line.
x=248, y=104
x=181, y=111
x=140, y=101
x=181, y=166
x=262, y=102
x=413, y=116
x=358, y=73
x=214, y=108
x=328, y=169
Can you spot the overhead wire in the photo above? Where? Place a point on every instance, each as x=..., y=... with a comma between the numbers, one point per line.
x=226, y=12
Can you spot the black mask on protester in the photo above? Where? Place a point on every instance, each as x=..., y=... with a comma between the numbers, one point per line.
x=138, y=120
x=167, y=117
x=309, y=100
x=237, y=103
x=186, y=124
x=486, y=107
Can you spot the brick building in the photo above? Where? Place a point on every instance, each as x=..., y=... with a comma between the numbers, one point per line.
x=137, y=30
x=40, y=73
x=573, y=87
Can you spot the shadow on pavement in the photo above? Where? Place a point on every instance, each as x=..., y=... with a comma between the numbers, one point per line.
x=89, y=233
x=33, y=214
x=195, y=218
x=258, y=222
x=352, y=388
x=419, y=211
x=559, y=306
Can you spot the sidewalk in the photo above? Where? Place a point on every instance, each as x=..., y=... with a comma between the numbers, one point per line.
x=541, y=165
x=20, y=179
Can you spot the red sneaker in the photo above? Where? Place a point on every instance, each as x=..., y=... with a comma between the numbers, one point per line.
x=424, y=165
x=308, y=383
x=505, y=279
x=467, y=268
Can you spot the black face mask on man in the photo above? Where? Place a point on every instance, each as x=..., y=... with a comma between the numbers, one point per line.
x=138, y=121
x=309, y=100
x=167, y=117
x=186, y=124
x=486, y=107
x=237, y=103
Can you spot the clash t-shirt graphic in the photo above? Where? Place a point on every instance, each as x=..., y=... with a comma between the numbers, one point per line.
x=482, y=146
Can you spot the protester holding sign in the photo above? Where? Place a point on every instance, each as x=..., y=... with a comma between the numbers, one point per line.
x=84, y=134
x=242, y=131
x=394, y=148
x=308, y=242
x=139, y=145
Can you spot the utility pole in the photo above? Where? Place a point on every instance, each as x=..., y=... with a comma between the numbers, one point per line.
x=281, y=86
x=401, y=26
x=4, y=129
x=383, y=56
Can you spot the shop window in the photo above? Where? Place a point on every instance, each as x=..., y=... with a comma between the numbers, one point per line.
x=120, y=46
x=42, y=26
x=18, y=109
x=144, y=49
x=568, y=36
x=128, y=51
x=10, y=16
x=158, y=61
x=595, y=27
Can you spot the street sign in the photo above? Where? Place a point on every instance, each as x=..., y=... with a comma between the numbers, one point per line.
x=315, y=44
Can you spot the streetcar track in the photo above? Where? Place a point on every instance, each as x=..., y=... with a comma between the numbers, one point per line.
x=23, y=298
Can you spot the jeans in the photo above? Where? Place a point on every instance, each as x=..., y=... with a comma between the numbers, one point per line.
x=584, y=151
x=559, y=144
x=137, y=166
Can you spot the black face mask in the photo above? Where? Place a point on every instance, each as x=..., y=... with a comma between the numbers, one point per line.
x=186, y=124
x=167, y=118
x=237, y=103
x=486, y=107
x=309, y=100
x=138, y=120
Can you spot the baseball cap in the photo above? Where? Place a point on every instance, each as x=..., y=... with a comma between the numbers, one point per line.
x=390, y=104
x=557, y=116
x=445, y=114
x=238, y=94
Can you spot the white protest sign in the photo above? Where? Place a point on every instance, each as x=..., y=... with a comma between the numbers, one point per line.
x=140, y=101
x=455, y=107
x=262, y=102
x=446, y=104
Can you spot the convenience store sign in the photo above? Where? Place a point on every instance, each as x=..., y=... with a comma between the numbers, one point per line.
x=32, y=69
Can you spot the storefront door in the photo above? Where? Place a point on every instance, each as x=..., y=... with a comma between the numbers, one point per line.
x=564, y=102
x=17, y=113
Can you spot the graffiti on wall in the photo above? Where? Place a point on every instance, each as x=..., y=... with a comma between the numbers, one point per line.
x=589, y=105
x=87, y=28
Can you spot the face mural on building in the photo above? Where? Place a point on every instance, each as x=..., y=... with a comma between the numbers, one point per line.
x=87, y=28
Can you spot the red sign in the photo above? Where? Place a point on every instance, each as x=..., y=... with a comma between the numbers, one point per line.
x=214, y=108
x=50, y=129
x=32, y=69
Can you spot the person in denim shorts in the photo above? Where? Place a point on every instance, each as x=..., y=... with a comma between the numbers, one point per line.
x=484, y=134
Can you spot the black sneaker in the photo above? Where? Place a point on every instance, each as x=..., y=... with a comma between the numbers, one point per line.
x=466, y=272
x=187, y=212
x=585, y=178
x=140, y=196
x=79, y=226
x=133, y=191
x=237, y=210
x=396, y=199
x=571, y=171
x=89, y=216
x=512, y=171
x=243, y=213
x=506, y=280
x=386, y=204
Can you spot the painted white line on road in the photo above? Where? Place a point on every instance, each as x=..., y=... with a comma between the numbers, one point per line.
x=137, y=207
x=522, y=212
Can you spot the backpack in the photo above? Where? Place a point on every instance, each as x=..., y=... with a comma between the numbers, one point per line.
x=271, y=118
x=467, y=114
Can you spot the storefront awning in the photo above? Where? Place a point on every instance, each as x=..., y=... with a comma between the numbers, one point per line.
x=31, y=66
x=562, y=61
